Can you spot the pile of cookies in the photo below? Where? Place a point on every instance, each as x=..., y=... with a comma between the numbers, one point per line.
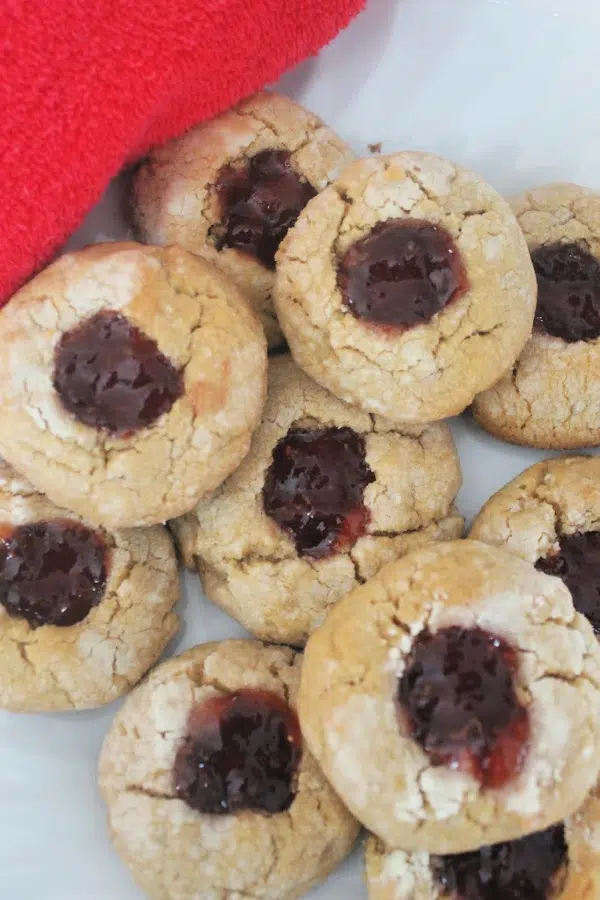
x=448, y=697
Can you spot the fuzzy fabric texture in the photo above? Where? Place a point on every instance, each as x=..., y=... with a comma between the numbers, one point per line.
x=86, y=87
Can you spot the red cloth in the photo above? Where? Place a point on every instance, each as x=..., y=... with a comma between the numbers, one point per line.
x=86, y=85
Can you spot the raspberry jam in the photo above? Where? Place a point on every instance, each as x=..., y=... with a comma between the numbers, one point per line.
x=578, y=564
x=458, y=696
x=525, y=869
x=314, y=489
x=241, y=752
x=260, y=201
x=110, y=375
x=52, y=573
x=402, y=274
x=568, y=278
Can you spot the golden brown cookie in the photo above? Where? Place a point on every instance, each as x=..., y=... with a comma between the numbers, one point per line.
x=131, y=379
x=550, y=398
x=210, y=790
x=560, y=863
x=550, y=515
x=405, y=287
x=84, y=613
x=453, y=700
x=230, y=188
x=326, y=495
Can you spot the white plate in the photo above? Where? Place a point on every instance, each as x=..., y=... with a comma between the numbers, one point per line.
x=507, y=87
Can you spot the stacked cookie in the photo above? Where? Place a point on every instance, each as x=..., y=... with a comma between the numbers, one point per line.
x=131, y=380
x=449, y=695
x=454, y=703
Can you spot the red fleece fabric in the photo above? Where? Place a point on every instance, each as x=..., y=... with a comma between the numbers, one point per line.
x=87, y=85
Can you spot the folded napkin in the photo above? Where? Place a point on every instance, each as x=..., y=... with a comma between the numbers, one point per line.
x=88, y=85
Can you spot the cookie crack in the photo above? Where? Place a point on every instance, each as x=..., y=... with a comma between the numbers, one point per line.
x=436, y=199
x=357, y=575
x=138, y=790
x=547, y=501
x=22, y=648
x=273, y=863
x=254, y=557
x=348, y=202
x=572, y=680
x=470, y=214
x=433, y=198
x=514, y=377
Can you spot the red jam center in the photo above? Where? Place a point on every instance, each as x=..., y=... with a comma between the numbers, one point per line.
x=458, y=695
x=260, y=202
x=568, y=278
x=242, y=751
x=524, y=869
x=578, y=564
x=314, y=489
x=402, y=274
x=110, y=375
x=52, y=573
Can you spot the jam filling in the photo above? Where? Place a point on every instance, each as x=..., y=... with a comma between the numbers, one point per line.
x=241, y=752
x=110, y=375
x=578, y=564
x=402, y=274
x=314, y=489
x=568, y=278
x=525, y=869
x=52, y=573
x=458, y=696
x=260, y=202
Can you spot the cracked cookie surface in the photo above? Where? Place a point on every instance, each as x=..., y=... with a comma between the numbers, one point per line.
x=96, y=660
x=202, y=327
x=177, y=853
x=176, y=197
x=352, y=722
x=400, y=875
x=551, y=397
x=431, y=370
x=251, y=567
x=550, y=516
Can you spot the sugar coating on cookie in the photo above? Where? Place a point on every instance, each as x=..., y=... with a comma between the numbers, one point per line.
x=406, y=286
x=210, y=790
x=131, y=379
x=453, y=699
x=550, y=398
x=562, y=862
x=550, y=515
x=231, y=188
x=85, y=612
x=326, y=495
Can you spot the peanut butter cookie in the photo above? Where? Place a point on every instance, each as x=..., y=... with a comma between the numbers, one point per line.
x=406, y=287
x=550, y=398
x=131, y=379
x=560, y=863
x=84, y=613
x=211, y=792
x=453, y=700
x=326, y=495
x=231, y=188
x=550, y=515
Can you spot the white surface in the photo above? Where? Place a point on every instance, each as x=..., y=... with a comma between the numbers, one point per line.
x=508, y=87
